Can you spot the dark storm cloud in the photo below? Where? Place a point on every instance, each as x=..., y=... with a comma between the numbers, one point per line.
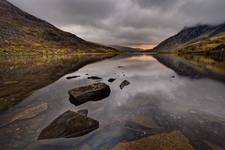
x=157, y=4
x=125, y=21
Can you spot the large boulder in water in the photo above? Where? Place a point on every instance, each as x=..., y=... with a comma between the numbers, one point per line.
x=69, y=124
x=94, y=92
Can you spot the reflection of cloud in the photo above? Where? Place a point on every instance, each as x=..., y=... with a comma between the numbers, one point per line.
x=151, y=83
x=142, y=45
x=142, y=58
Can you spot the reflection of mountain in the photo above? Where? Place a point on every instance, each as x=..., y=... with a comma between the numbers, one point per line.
x=195, y=66
x=20, y=76
x=22, y=33
x=200, y=38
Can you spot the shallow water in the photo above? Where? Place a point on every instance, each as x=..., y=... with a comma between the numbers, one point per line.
x=158, y=100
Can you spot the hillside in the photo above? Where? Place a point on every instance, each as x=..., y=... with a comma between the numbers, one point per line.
x=22, y=33
x=201, y=38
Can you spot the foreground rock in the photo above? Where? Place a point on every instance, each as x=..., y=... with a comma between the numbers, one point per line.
x=124, y=83
x=165, y=141
x=94, y=92
x=69, y=124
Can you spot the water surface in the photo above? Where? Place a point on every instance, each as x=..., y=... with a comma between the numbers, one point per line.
x=159, y=99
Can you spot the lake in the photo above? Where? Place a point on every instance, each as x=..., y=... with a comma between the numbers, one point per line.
x=167, y=93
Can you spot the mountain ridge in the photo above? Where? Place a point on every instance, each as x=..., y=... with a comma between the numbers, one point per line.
x=22, y=33
x=195, y=38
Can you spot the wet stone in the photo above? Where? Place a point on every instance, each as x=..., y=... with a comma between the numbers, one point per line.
x=120, y=66
x=69, y=124
x=124, y=84
x=111, y=80
x=94, y=78
x=72, y=77
x=94, y=92
x=83, y=112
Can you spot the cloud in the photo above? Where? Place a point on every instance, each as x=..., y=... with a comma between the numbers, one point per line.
x=126, y=21
x=157, y=4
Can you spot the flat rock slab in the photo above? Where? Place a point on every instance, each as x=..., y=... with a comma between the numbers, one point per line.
x=69, y=124
x=94, y=92
x=124, y=84
x=165, y=141
x=28, y=113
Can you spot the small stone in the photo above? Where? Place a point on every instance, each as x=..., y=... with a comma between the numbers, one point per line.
x=94, y=78
x=111, y=80
x=124, y=83
x=120, y=66
x=72, y=77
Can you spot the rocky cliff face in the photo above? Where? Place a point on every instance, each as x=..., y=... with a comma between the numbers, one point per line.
x=22, y=33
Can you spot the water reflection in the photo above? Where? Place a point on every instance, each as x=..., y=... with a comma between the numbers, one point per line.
x=195, y=66
x=21, y=75
x=153, y=103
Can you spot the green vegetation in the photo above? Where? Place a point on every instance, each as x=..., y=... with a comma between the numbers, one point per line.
x=216, y=43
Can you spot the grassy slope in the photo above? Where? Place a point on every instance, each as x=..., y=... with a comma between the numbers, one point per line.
x=21, y=33
x=202, y=38
x=204, y=44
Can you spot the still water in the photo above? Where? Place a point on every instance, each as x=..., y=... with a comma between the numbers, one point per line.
x=167, y=93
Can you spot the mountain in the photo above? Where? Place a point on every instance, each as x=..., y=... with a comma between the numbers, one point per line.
x=22, y=33
x=127, y=49
x=200, y=38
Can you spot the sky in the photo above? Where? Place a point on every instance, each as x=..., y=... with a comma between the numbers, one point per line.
x=134, y=23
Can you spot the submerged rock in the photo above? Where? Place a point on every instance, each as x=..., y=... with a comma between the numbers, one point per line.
x=94, y=78
x=30, y=112
x=72, y=77
x=124, y=83
x=69, y=124
x=111, y=80
x=165, y=141
x=94, y=92
x=120, y=66
x=83, y=112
